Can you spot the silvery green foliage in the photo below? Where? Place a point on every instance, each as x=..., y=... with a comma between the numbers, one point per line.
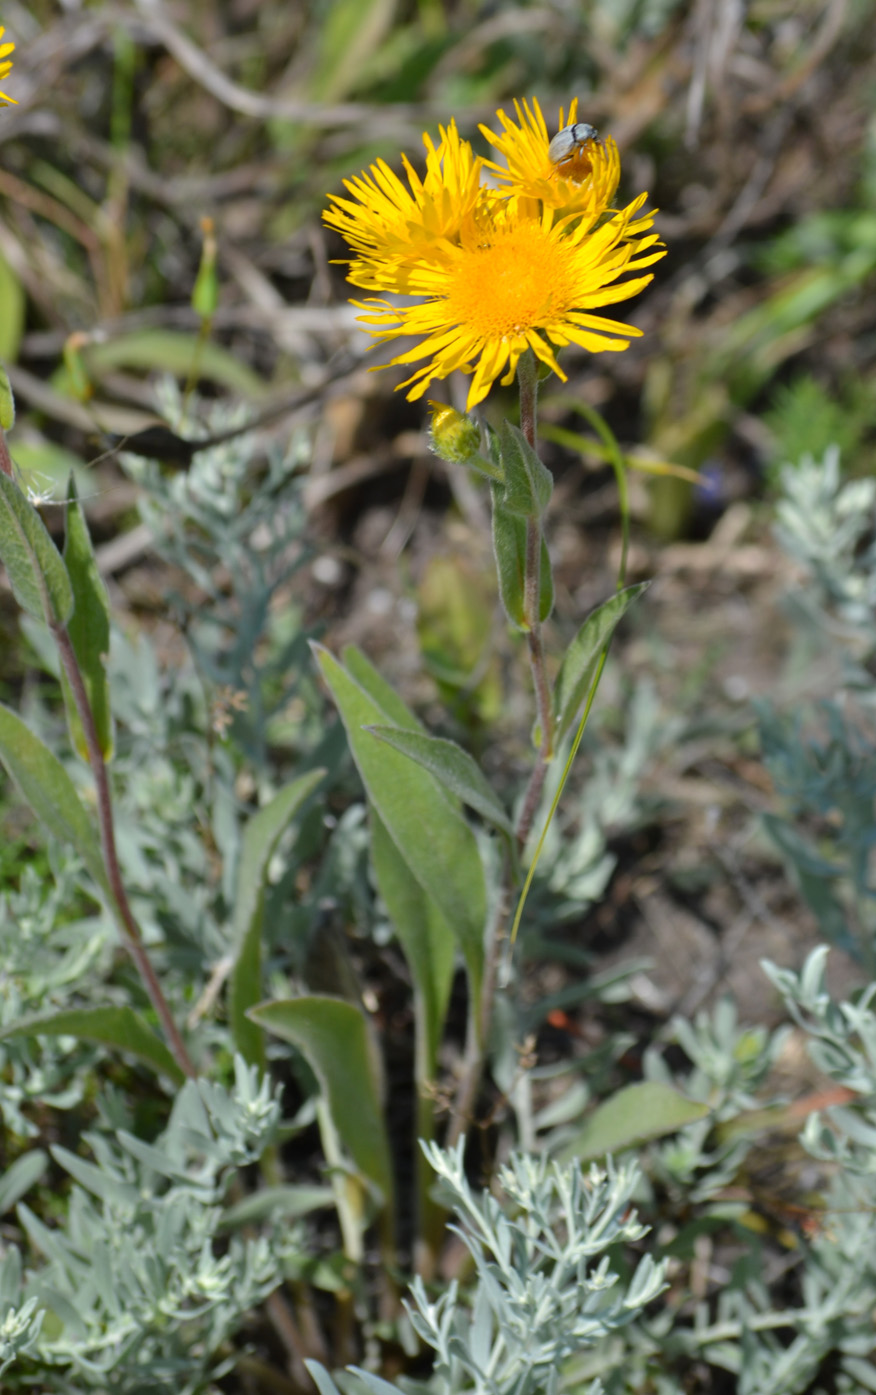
x=730, y=1064
x=821, y=523
x=821, y=758
x=240, y=533
x=842, y=1043
x=173, y=788
x=20, y=1323
x=828, y=775
x=44, y=955
x=139, y=1287
x=544, y=1287
x=823, y=1344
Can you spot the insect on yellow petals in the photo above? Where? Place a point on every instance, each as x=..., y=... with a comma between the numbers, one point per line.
x=568, y=149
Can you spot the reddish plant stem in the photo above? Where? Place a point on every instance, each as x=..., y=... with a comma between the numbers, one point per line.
x=5, y=457
x=131, y=936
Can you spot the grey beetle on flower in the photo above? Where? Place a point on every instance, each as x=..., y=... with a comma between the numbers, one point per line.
x=570, y=144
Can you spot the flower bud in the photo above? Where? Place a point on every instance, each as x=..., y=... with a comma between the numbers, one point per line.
x=456, y=438
x=453, y=435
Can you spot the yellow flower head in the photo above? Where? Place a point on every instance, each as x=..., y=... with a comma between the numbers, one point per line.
x=584, y=185
x=5, y=65
x=494, y=271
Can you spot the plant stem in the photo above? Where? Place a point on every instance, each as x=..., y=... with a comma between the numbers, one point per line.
x=527, y=373
x=480, y=1016
x=431, y=1215
x=5, y=457
x=131, y=936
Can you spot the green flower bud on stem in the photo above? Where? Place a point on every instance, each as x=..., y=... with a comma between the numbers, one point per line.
x=456, y=438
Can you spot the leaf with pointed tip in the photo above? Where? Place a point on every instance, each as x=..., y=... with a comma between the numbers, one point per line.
x=33, y=564
x=427, y=828
x=576, y=670
x=454, y=767
x=509, y=550
x=50, y=792
x=121, y=1028
x=260, y=838
x=333, y=1036
x=634, y=1115
x=528, y=483
x=89, y=631
x=377, y=688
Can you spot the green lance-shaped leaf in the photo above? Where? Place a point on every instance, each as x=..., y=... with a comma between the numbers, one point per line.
x=50, y=792
x=260, y=837
x=34, y=565
x=509, y=550
x=455, y=768
x=430, y=949
x=528, y=483
x=424, y=823
x=333, y=1036
x=634, y=1115
x=427, y=940
x=89, y=631
x=121, y=1028
x=576, y=670
x=377, y=688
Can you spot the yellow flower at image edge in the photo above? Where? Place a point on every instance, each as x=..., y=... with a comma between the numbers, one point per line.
x=511, y=272
x=5, y=65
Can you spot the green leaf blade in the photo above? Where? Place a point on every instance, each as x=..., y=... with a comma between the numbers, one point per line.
x=377, y=688
x=576, y=670
x=634, y=1115
x=454, y=767
x=425, y=937
x=34, y=565
x=89, y=631
x=430, y=834
x=528, y=483
x=120, y=1028
x=50, y=792
x=509, y=551
x=261, y=835
x=333, y=1036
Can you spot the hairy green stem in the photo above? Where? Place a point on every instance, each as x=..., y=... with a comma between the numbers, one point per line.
x=527, y=373
x=131, y=935
x=480, y=1014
